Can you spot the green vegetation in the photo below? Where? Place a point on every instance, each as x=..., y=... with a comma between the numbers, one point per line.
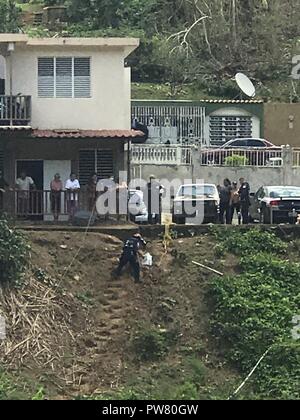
x=15, y=388
x=9, y=16
x=253, y=312
x=14, y=254
x=152, y=344
x=189, y=49
x=236, y=160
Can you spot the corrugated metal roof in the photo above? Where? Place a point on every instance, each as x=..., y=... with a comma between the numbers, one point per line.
x=81, y=134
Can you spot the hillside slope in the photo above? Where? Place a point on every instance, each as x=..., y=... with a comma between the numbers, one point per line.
x=102, y=326
x=74, y=331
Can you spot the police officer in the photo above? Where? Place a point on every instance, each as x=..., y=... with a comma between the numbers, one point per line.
x=130, y=256
x=244, y=193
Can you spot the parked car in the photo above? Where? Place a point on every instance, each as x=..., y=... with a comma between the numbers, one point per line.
x=198, y=202
x=276, y=204
x=255, y=151
x=248, y=143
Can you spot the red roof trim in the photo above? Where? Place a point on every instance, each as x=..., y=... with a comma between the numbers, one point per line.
x=81, y=134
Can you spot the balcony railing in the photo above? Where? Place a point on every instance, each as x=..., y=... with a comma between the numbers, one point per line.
x=44, y=205
x=161, y=155
x=15, y=110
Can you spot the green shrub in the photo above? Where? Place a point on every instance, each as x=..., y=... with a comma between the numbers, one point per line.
x=14, y=254
x=253, y=312
x=199, y=370
x=152, y=344
x=236, y=160
x=186, y=392
x=249, y=242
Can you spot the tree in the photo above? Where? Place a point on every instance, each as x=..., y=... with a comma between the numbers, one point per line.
x=9, y=16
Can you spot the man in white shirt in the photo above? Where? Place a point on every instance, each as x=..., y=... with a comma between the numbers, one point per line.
x=24, y=184
x=72, y=188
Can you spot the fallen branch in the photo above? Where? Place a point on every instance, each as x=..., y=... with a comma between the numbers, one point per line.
x=208, y=268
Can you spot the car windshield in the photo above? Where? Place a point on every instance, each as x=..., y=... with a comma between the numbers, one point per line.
x=284, y=192
x=197, y=190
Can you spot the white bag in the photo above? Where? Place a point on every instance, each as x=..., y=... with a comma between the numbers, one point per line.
x=148, y=260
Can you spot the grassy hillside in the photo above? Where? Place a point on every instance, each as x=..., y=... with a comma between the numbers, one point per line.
x=79, y=333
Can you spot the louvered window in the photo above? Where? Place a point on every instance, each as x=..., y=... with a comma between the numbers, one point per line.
x=225, y=128
x=98, y=161
x=64, y=77
x=82, y=77
x=46, y=77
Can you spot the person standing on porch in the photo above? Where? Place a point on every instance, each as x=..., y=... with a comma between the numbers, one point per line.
x=3, y=187
x=72, y=188
x=92, y=192
x=56, y=187
x=24, y=184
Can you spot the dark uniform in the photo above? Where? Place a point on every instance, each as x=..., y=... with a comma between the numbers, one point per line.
x=244, y=193
x=225, y=211
x=130, y=256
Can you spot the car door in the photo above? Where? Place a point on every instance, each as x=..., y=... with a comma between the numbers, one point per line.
x=256, y=200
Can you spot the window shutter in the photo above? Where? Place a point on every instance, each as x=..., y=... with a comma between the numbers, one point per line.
x=46, y=77
x=64, y=75
x=82, y=77
x=105, y=163
x=87, y=165
x=225, y=128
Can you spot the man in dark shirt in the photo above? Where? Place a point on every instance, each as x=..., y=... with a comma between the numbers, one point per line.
x=225, y=202
x=244, y=193
x=3, y=187
x=130, y=256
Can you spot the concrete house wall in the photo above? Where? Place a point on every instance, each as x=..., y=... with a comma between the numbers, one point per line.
x=282, y=123
x=109, y=104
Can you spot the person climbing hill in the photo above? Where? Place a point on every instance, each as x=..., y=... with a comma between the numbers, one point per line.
x=130, y=255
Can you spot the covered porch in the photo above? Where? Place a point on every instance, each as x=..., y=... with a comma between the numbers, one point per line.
x=42, y=154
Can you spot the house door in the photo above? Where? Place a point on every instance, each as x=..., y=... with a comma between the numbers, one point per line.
x=34, y=169
x=35, y=204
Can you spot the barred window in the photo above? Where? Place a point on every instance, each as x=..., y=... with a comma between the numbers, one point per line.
x=225, y=128
x=64, y=77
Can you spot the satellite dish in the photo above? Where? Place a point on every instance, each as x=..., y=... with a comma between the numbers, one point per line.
x=245, y=84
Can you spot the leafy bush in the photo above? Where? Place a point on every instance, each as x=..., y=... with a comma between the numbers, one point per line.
x=152, y=344
x=14, y=254
x=199, y=370
x=249, y=242
x=253, y=311
x=187, y=392
x=236, y=160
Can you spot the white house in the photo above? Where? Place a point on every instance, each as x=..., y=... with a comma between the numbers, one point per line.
x=66, y=106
